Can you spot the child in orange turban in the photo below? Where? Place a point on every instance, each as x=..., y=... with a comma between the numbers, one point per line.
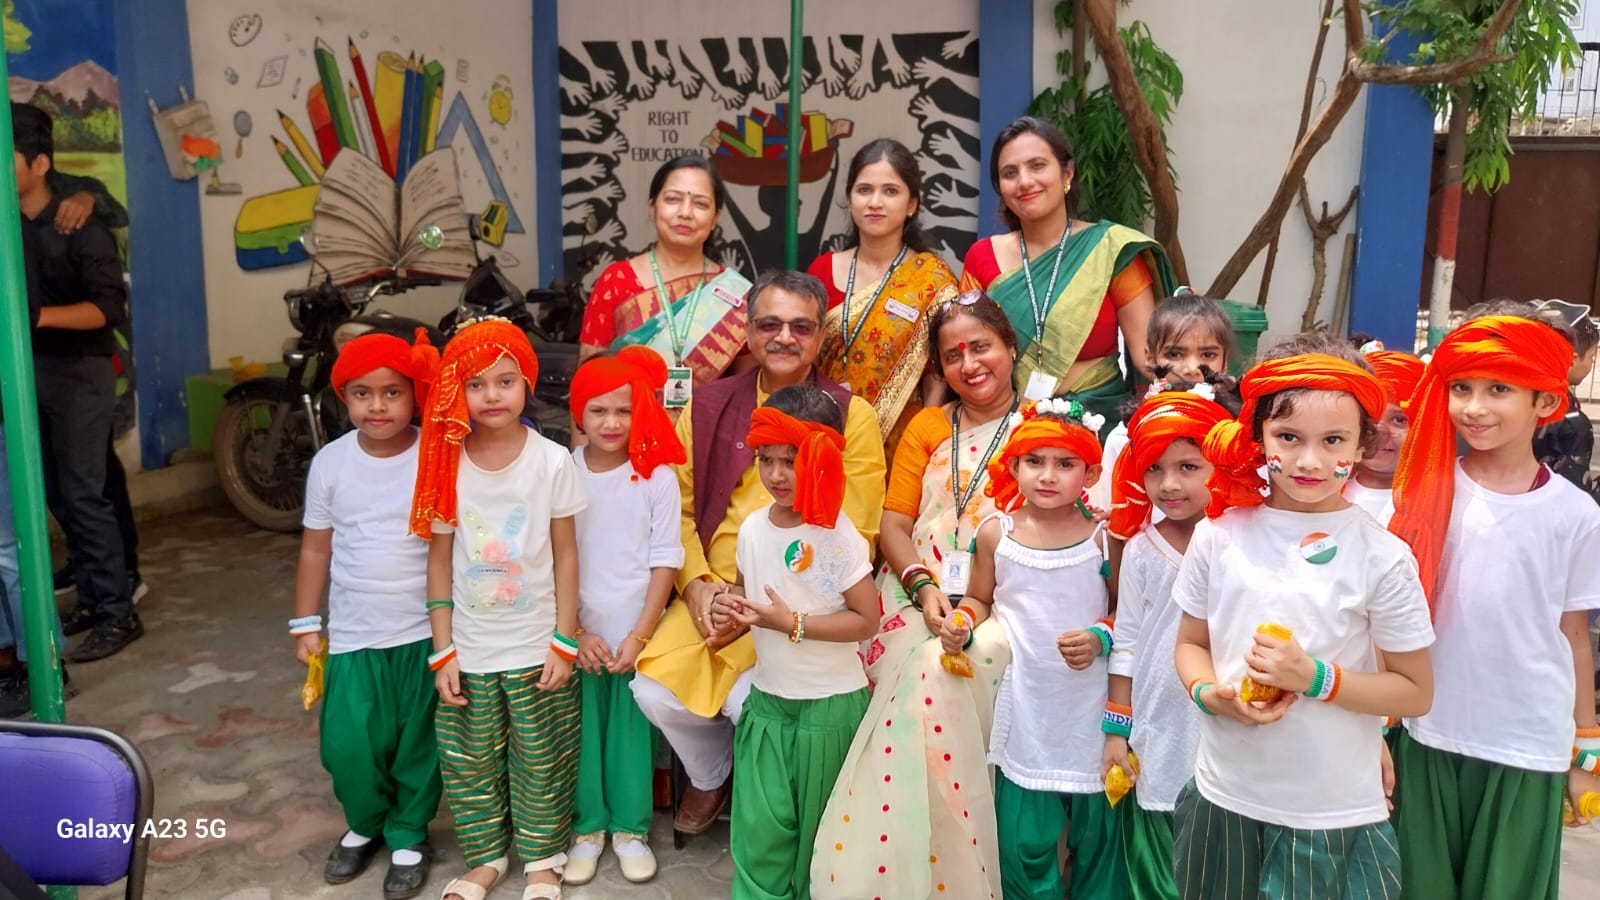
x=1507, y=553
x=498, y=501
x=1295, y=596
x=1373, y=484
x=630, y=547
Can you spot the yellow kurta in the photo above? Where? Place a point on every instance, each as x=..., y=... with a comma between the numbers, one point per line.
x=677, y=655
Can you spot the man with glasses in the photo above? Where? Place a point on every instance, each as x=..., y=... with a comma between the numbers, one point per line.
x=693, y=681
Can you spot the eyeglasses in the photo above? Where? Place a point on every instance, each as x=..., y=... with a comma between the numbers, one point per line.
x=772, y=326
x=967, y=299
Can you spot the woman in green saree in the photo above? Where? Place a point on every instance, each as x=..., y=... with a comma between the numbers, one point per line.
x=701, y=327
x=1068, y=286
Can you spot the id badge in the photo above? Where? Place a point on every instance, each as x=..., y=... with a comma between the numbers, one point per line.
x=1041, y=386
x=957, y=571
x=679, y=387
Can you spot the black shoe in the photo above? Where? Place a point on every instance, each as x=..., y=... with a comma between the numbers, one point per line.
x=81, y=619
x=347, y=863
x=16, y=694
x=107, y=639
x=64, y=582
x=403, y=882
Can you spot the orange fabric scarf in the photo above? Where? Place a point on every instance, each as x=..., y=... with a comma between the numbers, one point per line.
x=1508, y=349
x=471, y=352
x=818, y=462
x=652, y=441
x=1157, y=422
x=370, y=352
x=1399, y=373
x=1229, y=445
x=1034, y=434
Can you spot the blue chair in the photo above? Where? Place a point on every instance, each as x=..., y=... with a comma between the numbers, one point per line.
x=55, y=776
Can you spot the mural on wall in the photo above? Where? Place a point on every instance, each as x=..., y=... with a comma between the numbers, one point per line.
x=630, y=104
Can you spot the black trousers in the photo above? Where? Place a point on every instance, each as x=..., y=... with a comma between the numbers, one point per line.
x=76, y=398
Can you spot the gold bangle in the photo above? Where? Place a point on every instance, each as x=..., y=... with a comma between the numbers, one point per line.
x=641, y=640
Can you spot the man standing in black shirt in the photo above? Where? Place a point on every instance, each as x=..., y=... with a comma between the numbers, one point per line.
x=82, y=298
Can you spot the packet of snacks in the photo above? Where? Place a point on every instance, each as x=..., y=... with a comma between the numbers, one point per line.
x=316, y=673
x=958, y=663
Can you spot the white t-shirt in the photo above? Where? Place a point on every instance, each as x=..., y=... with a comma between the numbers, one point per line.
x=502, y=570
x=810, y=567
x=1378, y=502
x=631, y=526
x=1318, y=766
x=378, y=578
x=1165, y=733
x=1502, y=670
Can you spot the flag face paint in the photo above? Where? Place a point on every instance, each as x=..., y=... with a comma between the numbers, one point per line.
x=1343, y=468
x=1274, y=464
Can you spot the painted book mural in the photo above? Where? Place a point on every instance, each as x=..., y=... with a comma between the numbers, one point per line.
x=716, y=83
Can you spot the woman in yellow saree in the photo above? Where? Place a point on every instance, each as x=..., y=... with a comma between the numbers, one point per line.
x=881, y=289
x=701, y=327
x=1068, y=286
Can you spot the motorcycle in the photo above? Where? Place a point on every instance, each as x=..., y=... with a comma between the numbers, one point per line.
x=271, y=426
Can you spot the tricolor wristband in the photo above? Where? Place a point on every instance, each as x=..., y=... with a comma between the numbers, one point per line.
x=305, y=625
x=1117, y=719
x=1105, y=630
x=1586, y=750
x=564, y=647
x=436, y=661
x=1195, y=687
x=1325, y=683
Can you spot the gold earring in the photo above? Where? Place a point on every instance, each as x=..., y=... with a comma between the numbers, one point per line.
x=1067, y=189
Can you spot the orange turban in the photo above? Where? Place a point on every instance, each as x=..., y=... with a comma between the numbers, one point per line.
x=1508, y=349
x=1398, y=372
x=652, y=441
x=1159, y=420
x=1229, y=445
x=473, y=351
x=818, y=462
x=1034, y=434
x=370, y=352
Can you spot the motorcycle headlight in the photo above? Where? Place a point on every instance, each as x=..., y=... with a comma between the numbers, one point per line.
x=294, y=313
x=348, y=332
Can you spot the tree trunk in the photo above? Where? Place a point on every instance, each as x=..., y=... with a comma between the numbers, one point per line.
x=1080, y=49
x=1444, y=250
x=1149, y=151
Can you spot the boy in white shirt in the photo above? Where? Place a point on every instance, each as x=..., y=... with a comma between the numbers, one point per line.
x=1507, y=554
x=378, y=705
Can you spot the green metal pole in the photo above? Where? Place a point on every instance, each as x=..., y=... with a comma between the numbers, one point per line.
x=797, y=66
x=22, y=448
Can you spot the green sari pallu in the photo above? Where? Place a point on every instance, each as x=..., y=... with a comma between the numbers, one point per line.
x=711, y=320
x=1091, y=259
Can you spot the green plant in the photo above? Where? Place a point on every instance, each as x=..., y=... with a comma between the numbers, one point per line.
x=1109, y=183
x=16, y=33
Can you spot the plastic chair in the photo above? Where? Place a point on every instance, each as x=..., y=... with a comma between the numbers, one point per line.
x=73, y=774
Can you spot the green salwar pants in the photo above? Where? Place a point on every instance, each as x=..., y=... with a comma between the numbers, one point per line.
x=1146, y=850
x=1029, y=824
x=1218, y=853
x=786, y=756
x=1475, y=830
x=378, y=741
x=510, y=764
x=616, y=765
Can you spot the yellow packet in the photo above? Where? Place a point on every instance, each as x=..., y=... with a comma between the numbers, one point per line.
x=1117, y=783
x=316, y=672
x=957, y=663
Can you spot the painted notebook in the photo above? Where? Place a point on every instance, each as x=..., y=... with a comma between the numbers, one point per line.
x=364, y=226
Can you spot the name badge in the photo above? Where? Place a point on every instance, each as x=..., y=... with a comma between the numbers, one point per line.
x=904, y=311
x=1041, y=386
x=957, y=571
x=727, y=296
x=679, y=387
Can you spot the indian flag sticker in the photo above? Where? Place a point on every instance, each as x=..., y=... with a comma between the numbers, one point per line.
x=1318, y=548
x=800, y=555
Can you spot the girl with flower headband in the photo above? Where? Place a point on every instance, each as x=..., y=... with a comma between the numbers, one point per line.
x=1507, y=554
x=1372, y=488
x=630, y=546
x=1147, y=713
x=805, y=591
x=497, y=500
x=378, y=710
x=1295, y=593
x=1039, y=570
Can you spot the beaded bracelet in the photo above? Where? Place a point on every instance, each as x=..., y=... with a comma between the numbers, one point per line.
x=1195, y=687
x=1117, y=719
x=1105, y=630
x=564, y=647
x=305, y=625
x=440, y=604
x=1586, y=750
x=799, y=633
x=640, y=638
x=436, y=661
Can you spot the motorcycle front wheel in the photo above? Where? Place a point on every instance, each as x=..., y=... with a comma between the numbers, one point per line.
x=266, y=484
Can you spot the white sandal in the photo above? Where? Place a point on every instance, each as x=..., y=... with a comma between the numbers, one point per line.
x=542, y=891
x=468, y=890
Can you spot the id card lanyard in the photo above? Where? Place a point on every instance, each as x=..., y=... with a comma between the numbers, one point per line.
x=964, y=497
x=673, y=333
x=1050, y=292
x=850, y=334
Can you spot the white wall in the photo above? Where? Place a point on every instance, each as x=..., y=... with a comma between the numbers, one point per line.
x=1244, y=66
x=486, y=49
